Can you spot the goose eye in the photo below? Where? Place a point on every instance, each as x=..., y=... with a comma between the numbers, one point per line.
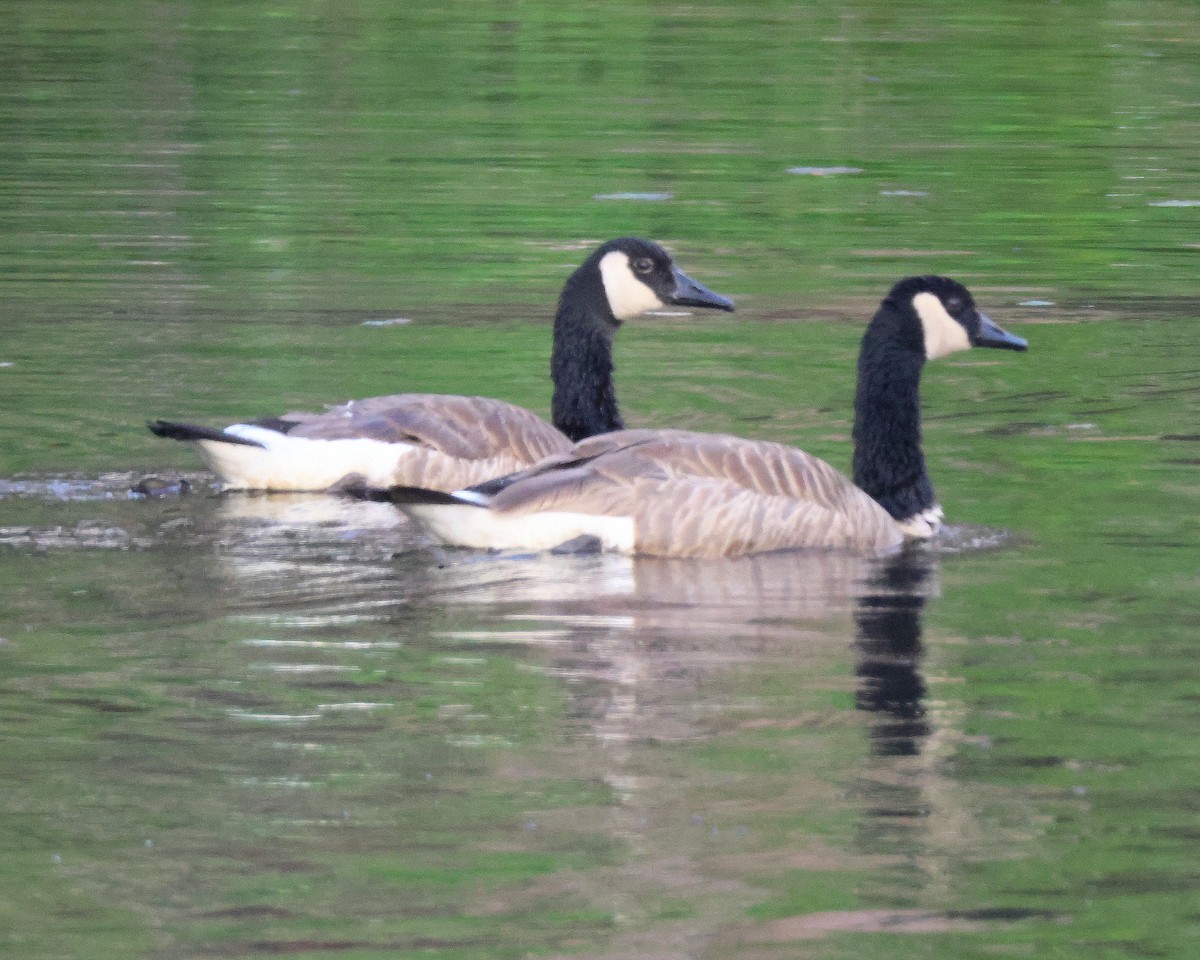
x=954, y=304
x=643, y=265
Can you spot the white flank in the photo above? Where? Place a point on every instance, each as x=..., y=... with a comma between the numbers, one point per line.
x=299, y=463
x=483, y=529
x=627, y=295
x=943, y=334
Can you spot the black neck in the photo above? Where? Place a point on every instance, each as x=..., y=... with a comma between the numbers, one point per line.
x=888, y=463
x=581, y=365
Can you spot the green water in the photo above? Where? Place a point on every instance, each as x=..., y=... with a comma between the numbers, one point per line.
x=262, y=726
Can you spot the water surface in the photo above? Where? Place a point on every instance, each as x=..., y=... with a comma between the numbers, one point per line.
x=241, y=726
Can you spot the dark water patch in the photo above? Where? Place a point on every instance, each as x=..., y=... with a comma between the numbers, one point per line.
x=895, y=813
x=1143, y=882
x=1178, y=832
x=984, y=412
x=100, y=705
x=248, y=912
x=237, y=699
x=1100, y=411
x=1145, y=541
x=818, y=925
x=1021, y=428
x=386, y=946
x=1033, y=763
x=286, y=947
x=1009, y=914
x=1148, y=306
x=341, y=686
x=1036, y=396
x=1164, y=391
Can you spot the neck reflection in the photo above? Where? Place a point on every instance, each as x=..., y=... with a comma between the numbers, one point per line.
x=888, y=653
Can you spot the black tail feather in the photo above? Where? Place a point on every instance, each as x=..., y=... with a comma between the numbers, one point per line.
x=418, y=495
x=354, y=486
x=187, y=431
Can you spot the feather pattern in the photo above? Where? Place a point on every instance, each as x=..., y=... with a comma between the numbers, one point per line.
x=471, y=428
x=705, y=495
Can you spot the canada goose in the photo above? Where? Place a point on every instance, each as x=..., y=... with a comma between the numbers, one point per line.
x=679, y=494
x=446, y=442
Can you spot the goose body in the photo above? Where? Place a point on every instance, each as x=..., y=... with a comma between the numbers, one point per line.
x=447, y=442
x=676, y=493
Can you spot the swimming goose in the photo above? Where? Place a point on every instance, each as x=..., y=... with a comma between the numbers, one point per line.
x=446, y=442
x=674, y=493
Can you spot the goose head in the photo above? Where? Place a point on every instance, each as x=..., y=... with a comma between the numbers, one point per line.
x=938, y=315
x=619, y=280
x=921, y=319
x=637, y=275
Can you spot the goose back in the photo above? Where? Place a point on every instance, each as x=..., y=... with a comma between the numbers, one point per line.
x=474, y=428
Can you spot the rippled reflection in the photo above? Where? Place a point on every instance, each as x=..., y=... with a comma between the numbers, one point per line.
x=888, y=651
x=321, y=677
x=630, y=637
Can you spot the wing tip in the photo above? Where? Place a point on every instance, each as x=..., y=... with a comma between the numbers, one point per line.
x=416, y=496
x=356, y=487
x=189, y=432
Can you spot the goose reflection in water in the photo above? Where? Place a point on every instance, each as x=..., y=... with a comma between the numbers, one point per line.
x=888, y=651
x=703, y=694
x=655, y=623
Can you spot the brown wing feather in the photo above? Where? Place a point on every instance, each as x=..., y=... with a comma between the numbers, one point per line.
x=694, y=494
x=468, y=428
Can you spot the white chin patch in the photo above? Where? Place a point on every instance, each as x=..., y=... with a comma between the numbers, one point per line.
x=943, y=334
x=627, y=295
